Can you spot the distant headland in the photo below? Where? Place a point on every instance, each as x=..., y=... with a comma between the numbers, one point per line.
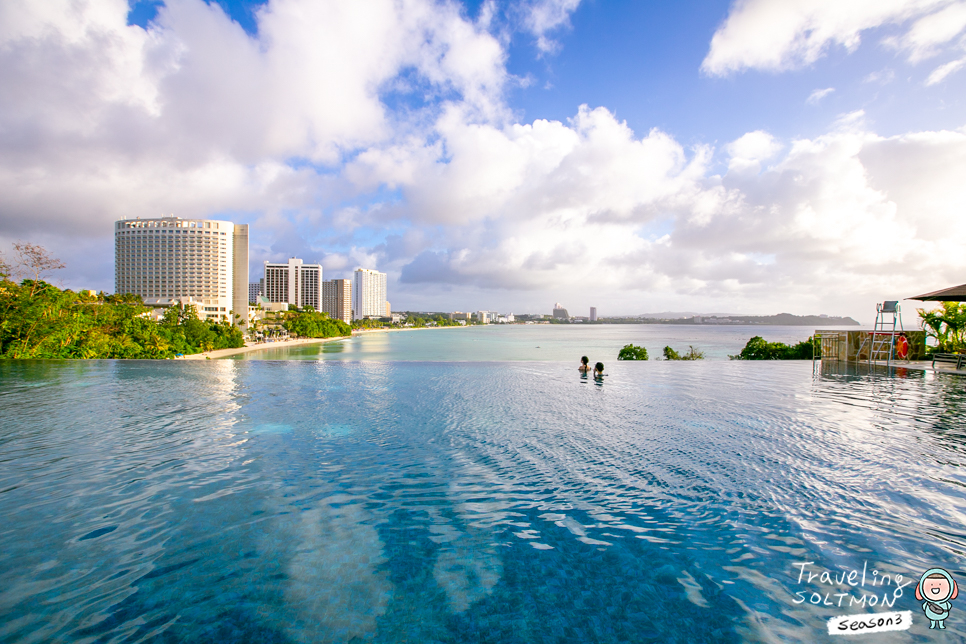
x=781, y=319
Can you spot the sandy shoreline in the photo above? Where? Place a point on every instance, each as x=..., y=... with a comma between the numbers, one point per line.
x=284, y=344
x=261, y=346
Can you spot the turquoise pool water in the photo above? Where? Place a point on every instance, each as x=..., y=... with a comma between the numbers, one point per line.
x=341, y=501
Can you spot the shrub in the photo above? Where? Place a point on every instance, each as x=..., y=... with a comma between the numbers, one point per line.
x=632, y=352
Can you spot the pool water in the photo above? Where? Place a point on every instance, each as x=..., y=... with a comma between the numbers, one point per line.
x=339, y=501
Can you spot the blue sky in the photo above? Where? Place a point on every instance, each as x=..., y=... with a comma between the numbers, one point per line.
x=729, y=157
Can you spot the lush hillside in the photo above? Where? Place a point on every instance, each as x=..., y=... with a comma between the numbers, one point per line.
x=38, y=320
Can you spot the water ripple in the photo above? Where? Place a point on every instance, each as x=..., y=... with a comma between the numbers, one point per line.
x=299, y=501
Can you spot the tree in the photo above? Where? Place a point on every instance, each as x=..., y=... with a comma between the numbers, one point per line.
x=692, y=354
x=33, y=261
x=758, y=348
x=947, y=325
x=632, y=352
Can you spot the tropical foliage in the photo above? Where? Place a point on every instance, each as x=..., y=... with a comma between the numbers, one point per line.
x=436, y=320
x=38, y=320
x=632, y=352
x=758, y=348
x=947, y=325
x=312, y=324
x=692, y=354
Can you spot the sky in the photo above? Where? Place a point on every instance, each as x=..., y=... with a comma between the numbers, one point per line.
x=750, y=157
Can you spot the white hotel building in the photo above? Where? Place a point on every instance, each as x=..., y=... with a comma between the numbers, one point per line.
x=368, y=294
x=295, y=283
x=169, y=260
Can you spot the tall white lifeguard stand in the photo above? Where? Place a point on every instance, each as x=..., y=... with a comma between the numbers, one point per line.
x=887, y=315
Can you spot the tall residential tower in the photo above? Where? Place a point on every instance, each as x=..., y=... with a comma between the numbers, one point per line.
x=296, y=283
x=368, y=294
x=337, y=299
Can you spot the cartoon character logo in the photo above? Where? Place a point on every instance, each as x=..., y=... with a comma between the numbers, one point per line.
x=936, y=590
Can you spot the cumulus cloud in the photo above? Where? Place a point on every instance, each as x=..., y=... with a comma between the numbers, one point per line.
x=775, y=35
x=831, y=220
x=290, y=130
x=193, y=111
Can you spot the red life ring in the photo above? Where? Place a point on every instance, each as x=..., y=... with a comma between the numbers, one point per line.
x=902, y=347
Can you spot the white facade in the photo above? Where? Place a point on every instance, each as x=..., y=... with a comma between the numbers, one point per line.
x=296, y=283
x=167, y=259
x=593, y=314
x=368, y=294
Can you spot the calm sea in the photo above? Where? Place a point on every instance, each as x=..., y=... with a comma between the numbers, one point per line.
x=398, y=500
x=538, y=343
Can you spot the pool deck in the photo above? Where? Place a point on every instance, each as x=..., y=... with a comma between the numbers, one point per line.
x=917, y=365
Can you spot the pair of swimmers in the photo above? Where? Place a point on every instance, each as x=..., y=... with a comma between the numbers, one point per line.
x=585, y=367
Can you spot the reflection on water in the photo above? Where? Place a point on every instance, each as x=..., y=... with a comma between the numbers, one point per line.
x=373, y=501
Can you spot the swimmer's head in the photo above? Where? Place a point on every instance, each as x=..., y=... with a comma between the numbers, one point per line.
x=599, y=366
x=585, y=360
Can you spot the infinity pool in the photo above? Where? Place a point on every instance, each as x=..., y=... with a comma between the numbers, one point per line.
x=329, y=501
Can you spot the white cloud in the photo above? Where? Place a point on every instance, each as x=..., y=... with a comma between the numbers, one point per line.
x=542, y=17
x=99, y=119
x=748, y=151
x=816, y=96
x=927, y=34
x=776, y=35
x=840, y=219
x=939, y=74
x=290, y=130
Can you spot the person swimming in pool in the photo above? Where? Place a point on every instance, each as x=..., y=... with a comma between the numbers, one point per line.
x=584, y=365
x=599, y=370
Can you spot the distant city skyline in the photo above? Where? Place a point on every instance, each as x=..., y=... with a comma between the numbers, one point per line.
x=751, y=157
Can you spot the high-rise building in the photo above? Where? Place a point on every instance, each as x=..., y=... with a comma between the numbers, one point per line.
x=337, y=299
x=170, y=260
x=368, y=294
x=296, y=283
x=255, y=289
x=593, y=314
x=560, y=312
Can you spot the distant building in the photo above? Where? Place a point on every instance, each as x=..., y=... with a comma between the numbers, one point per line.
x=337, y=299
x=170, y=260
x=255, y=289
x=593, y=314
x=485, y=317
x=388, y=310
x=368, y=294
x=559, y=312
x=295, y=283
x=459, y=315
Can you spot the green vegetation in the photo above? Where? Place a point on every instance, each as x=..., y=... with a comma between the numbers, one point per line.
x=435, y=320
x=38, y=320
x=947, y=325
x=692, y=354
x=758, y=349
x=312, y=324
x=632, y=352
x=369, y=323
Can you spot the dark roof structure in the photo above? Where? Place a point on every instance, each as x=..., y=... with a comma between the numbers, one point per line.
x=954, y=294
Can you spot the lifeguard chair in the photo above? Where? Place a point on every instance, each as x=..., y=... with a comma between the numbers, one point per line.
x=882, y=340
